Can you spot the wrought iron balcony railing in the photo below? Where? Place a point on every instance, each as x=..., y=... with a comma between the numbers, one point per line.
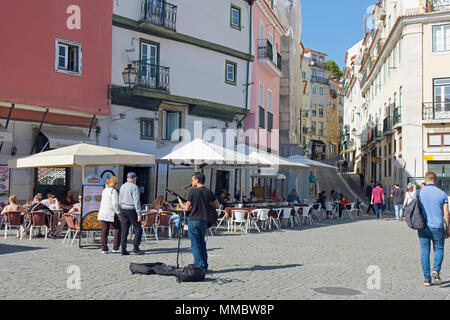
x=436, y=110
x=319, y=64
x=152, y=76
x=437, y=5
x=320, y=80
x=387, y=125
x=160, y=13
x=265, y=50
x=397, y=115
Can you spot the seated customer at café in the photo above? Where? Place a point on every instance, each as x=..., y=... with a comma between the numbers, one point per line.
x=37, y=205
x=222, y=198
x=67, y=200
x=162, y=205
x=75, y=211
x=253, y=196
x=13, y=206
x=293, y=197
x=52, y=202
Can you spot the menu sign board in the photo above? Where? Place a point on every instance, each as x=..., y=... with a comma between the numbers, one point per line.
x=4, y=185
x=90, y=205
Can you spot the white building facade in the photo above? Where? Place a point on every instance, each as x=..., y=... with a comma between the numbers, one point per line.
x=193, y=66
x=405, y=81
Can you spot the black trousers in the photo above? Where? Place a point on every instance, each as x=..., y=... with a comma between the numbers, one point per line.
x=128, y=218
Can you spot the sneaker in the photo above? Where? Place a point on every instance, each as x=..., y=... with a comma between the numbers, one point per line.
x=116, y=251
x=436, y=278
x=106, y=252
x=427, y=283
x=125, y=252
x=138, y=252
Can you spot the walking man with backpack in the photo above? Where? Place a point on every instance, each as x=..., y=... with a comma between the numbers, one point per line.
x=200, y=202
x=434, y=203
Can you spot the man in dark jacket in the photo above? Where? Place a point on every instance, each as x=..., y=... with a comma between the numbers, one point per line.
x=369, y=196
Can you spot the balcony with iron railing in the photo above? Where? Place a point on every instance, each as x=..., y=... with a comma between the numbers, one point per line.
x=318, y=64
x=437, y=5
x=152, y=76
x=436, y=110
x=387, y=125
x=320, y=80
x=160, y=13
x=397, y=118
x=266, y=53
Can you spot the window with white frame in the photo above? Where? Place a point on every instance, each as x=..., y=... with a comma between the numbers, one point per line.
x=321, y=91
x=269, y=100
x=68, y=56
x=171, y=122
x=147, y=129
x=314, y=89
x=230, y=72
x=441, y=38
x=261, y=95
x=235, y=17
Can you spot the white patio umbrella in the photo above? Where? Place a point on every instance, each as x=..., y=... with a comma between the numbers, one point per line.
x=272, y=159
x=309, y=162
x=200, y=152
x=82, y=155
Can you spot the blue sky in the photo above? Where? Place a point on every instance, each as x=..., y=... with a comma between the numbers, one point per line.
x=332, y=26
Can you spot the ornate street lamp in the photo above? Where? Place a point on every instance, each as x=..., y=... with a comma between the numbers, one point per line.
x=129, y=75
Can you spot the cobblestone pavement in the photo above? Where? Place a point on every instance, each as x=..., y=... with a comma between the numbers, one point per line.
x=285, y=264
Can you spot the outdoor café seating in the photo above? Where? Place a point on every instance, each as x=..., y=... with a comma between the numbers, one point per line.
x=13, y=220
x=38, y=221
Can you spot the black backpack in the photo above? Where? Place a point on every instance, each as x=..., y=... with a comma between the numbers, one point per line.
x=414, y=215
x=190, y=273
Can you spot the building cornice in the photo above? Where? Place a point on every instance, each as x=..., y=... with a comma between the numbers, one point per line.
x=154, y=30
x=270, y=14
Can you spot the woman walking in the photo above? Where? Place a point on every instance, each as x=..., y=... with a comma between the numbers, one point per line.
x=109, y=209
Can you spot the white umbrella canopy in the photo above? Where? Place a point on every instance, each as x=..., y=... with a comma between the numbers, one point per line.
x=270, y=159
x=82, y=155
x=199, y=152
x=309, y=162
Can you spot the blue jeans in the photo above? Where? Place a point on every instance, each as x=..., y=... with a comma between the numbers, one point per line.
x=426, y=236
x=176, y=219
x=398, y=211
x=378, y=209
x=197, y=233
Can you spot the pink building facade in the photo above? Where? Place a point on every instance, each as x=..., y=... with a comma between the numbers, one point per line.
x=262, y=121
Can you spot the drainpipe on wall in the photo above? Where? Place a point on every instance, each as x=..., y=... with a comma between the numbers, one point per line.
x=250, y=2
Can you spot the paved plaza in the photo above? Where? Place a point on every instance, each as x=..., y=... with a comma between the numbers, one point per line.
x=287, y=264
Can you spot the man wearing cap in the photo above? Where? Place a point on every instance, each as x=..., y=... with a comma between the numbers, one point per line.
x=130, y=211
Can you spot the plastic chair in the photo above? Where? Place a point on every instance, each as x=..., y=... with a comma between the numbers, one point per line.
x=348, y=209
x=317, y=210
x=73, y=228
x=238, y=216
x=164, y=222
x=13, y=220
x=276, y=220
x=297, y=215
x=286, y=214
x=306, y=214
x=222, y=217
x=262, y=215
x=149, y=221
x=38, y=221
